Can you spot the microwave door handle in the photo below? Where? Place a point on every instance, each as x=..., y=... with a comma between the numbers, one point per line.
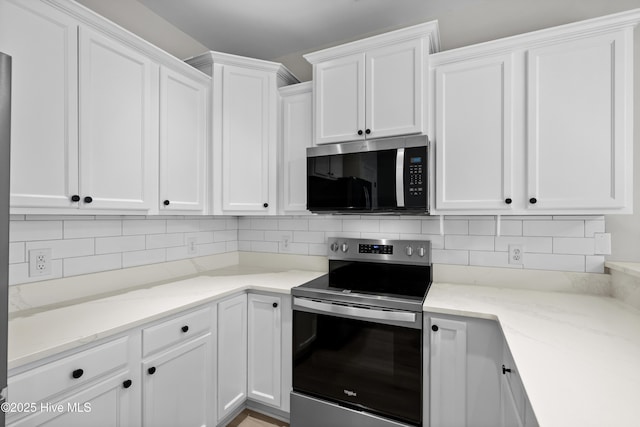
x=400, y=177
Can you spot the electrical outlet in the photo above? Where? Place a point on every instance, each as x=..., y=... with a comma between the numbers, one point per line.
x=192, y=249
x=515, y=254
x=284, y=244
x=39, y=262
x=602, y=243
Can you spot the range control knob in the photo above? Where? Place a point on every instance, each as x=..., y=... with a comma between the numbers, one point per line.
x=421, y=251
x=344, y=247
x=334, y=247
x=409, y=250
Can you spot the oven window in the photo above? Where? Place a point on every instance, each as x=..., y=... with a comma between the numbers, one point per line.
x=364, y=365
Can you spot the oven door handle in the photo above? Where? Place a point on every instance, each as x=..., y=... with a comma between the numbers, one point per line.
x=365, y=313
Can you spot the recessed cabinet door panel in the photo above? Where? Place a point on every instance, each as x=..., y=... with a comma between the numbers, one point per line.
x=44, y=116
x=339, y=99
x=264, y=345
x=394, y=90
x=118, y=124
x=578, y=96
x=297, y=137
x=183, y=109
x=246, y=138
x=474, y=138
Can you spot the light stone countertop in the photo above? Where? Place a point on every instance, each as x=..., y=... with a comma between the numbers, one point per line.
x=71, y=326
x=578, y=355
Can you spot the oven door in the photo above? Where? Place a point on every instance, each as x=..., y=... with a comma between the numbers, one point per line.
x=365, y=359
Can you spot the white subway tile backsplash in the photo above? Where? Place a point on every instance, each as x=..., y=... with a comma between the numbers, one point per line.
x=264, y=224
x=19, y=273
x=24, y=231
x=530, y=244
x=318, y=249
x=455, y=226
x=250, y=234
x=491, y=259
x=213, y=248
x=244, y=223
x=231, y=223
x=573, y=245
x=232, y=246
x=183, y=225
x=322, y=224
x=557, y=262
x=152, y=256
x=431, y=226
x=244, y=245
x=594, y=264
x=510, y=227
x=225, y=236
x=380, y=235
x=65, y=248
x=567, y=228
x=276, y=236
x=369, y=225
x=593, y=226
x=293, y=224
x=109, y=245
x=155, y=241
x=16, y=252
x=482, y=228
x=91, y=264
x=180, y=252
x=450, y=257
x=202, y=237
x=214, y=224
x=264, y=247
x=93, y=228
x=144, y=226
x=308, y=237
x=478, y=243
x=400, y=226
x=294, y=248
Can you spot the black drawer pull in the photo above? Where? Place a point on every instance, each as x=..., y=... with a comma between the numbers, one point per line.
x=360, y=132
x=185, y=328
x=434, y=328
x=126, y=384
x=151, y=370
x=533, y=200
x=368, y=131
x=77, y=373
x=75, y=198
x=275, y=304
x=505, y=370
x=508, y=201
x=166, y=203
x=88, y=199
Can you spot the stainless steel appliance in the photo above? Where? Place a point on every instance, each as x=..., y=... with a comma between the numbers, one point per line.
x=357, y=336
x=5, y=136
x=381, y=176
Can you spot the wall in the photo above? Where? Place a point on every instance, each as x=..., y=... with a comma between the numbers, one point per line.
x=87, y=244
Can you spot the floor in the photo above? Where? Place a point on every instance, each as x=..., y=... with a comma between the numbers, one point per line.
x=249, y=418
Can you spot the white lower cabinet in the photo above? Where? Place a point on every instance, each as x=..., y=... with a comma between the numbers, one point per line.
x=515, y=409
x=232, y=354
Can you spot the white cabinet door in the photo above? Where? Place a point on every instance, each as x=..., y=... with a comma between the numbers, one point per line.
x=509, y=409
x=183, y=139
x=44, y=116
x=249, y=108
x=232, y=354
x=474, y=139
x=339, y=90
x=178, y=386
x=118, y=125
x=395, y=90
x=109, y=403
x=265, y=343
x=297, y=136
x=448, y=372
x=579, y=102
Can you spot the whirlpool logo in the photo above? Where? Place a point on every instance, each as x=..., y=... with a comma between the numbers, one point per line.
x=350, y=393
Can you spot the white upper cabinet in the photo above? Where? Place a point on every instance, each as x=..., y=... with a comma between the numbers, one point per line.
x=296, y=136
x=245, y=131
x=373, y=88
x=43, y=43
x=473, y=130
x=183, y=141
x=539, y=123
x=118, y=124
x=579, y=123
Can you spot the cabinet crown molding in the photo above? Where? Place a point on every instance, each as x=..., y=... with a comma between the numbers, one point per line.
x=428, y=29
x=574, y=30
x=212, y=57
x=294, y=89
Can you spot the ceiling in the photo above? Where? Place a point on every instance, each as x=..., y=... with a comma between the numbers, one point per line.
x=269, y=29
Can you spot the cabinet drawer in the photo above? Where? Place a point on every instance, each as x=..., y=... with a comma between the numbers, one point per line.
x=72, y=371
x=175, y=330
x=514, y=382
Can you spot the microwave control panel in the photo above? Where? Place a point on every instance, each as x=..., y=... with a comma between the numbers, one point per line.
x=415, y=177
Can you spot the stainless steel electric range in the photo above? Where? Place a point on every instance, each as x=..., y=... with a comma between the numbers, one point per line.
x=357, y=336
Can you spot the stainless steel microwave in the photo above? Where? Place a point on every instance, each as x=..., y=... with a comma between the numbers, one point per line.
x=377, y=176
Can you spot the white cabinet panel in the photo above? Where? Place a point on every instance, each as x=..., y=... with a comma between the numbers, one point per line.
x=264, y=349
x=247, y=140
x=578, y=123
x=178, y=386
x=448, y=372
x=474, y=137
x=395, y=90
x=297, y=136
x=44, y=116
x=183, y=142
x=118, y=124
x=232, y=354
x=339, y=99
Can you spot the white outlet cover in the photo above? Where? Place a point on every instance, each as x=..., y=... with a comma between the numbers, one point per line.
x=516, y=253
x=192, y=247
x=602, y=244
x=39, y=262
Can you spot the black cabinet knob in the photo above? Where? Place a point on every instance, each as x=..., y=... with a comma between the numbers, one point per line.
x=275, y=304
x=533, y=200
x=75, y=198
x=368, y=131
x=126, y=384
x=505, y=370
x=360, y=132
x=266, y=205
x=77, y=373
x=166, y=203
x=88, y=199
x=151, y=370
x=434, y=328
x=508, y=201
x=185, y=328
